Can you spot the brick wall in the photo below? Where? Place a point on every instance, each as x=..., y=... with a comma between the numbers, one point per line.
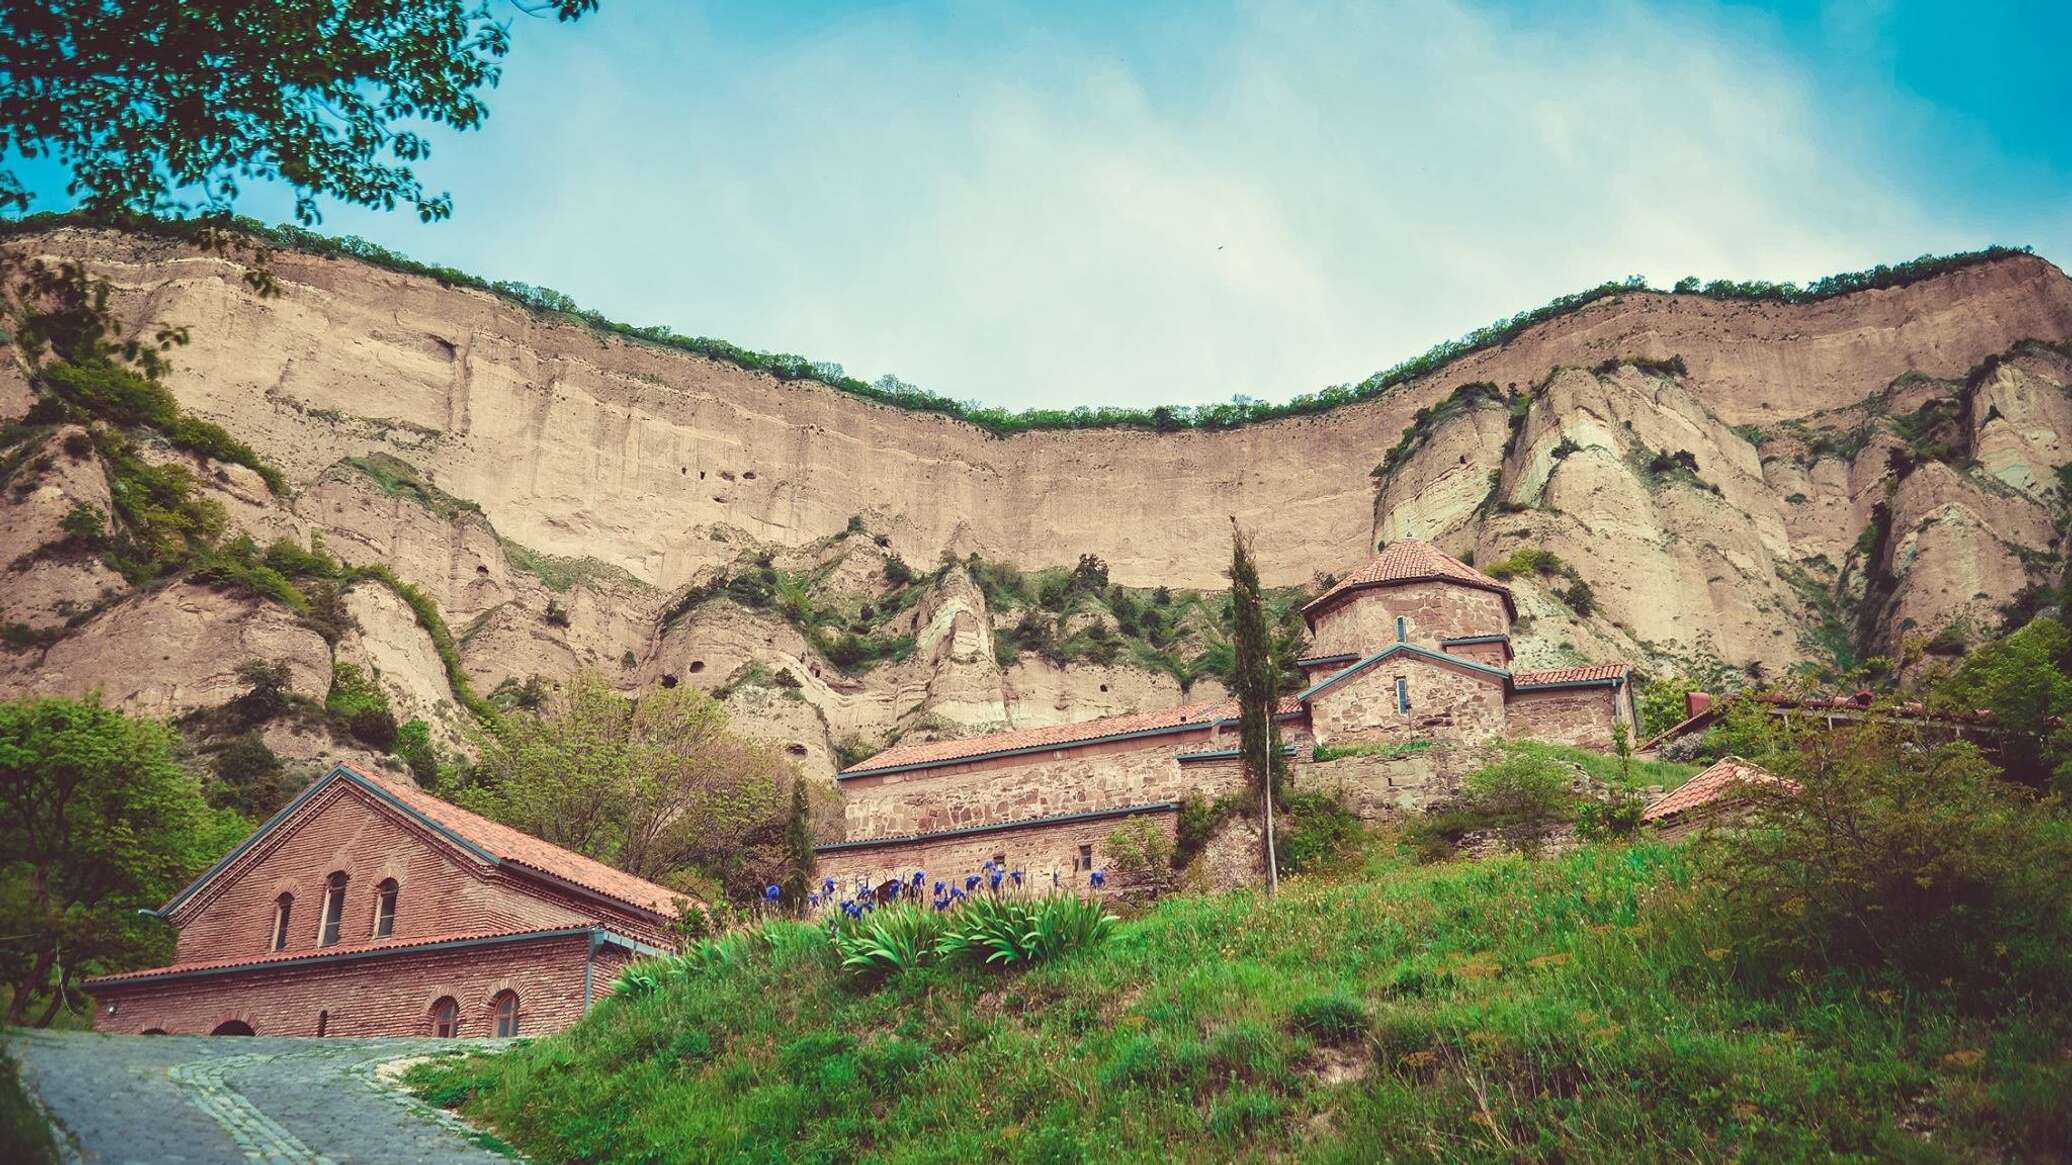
x=1578, y=716
x=440, y=892
x=1366, y=622
x=1446, y=703
x=387, y=996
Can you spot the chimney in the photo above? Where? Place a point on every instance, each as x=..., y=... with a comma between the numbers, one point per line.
x=1696, y=703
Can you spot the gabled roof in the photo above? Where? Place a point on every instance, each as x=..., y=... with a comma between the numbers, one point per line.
x=1412, y=650
x=486, y=840
x=923, y=754
x=1568, y=677
x=1407, y=561
x=1710, y=786
x=339, y=954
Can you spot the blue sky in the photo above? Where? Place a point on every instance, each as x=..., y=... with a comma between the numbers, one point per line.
x=1060, y=204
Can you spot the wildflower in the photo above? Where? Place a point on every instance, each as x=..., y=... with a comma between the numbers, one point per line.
x=938, y=888
x=971, y=883
x=987, y=866
x=918, y=878
x=995, y=880
x=772, y=893
x=812, y=900
x=828, y=887
x=1097, y=879
x=1017, y=875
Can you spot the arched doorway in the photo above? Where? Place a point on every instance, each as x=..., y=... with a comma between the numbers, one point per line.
x=232, y=1027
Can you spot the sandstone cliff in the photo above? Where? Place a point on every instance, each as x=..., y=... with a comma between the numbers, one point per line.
x=1737, y=484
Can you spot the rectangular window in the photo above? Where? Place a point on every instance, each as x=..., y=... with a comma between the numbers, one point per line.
x=1085, y=860
x=1402, y=694
x=1402, y=629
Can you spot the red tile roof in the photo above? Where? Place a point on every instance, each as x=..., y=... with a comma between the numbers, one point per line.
x=928, y=753
x=1407, y=561
x=278, y=957
x=1569, y=675
x=526, y=851
x=1709, y=786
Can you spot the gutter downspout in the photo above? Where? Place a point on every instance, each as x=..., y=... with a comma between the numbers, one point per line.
x=589, y=960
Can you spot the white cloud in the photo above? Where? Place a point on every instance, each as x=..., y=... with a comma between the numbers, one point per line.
x=1264, y=202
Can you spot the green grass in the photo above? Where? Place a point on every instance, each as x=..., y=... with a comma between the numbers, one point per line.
x=1597, y=1006
x=1605, y=768
x=25, y=1136
x=1331, y=752
x=399, y=479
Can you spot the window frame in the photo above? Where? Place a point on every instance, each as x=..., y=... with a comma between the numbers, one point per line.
x=331, y=922
x=1402, y=629
x=283, y=918
x=505, y=1011
x=1403, y=694
x=387, y=893
x=445, y=1014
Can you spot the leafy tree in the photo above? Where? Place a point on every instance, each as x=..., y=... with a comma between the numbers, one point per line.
x=657, y=786
x=269, y=684
x=1892, y=846
x=1662, y=704
x=97, y=822
x=2021, y=678
x=1256, y=681
x=162, y=109
x=250, y=778
x=1522, y=797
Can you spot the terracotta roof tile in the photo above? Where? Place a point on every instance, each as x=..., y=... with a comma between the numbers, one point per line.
x=1405, y=561
x=927, y=753
x=523, y=849
x=1569, y=675
x=1709, y=786
x=278, y=957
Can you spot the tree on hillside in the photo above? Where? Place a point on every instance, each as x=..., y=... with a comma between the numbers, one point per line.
x=163, y=109
x=1891, y=845
x=798, y=846
x=97, y=822
x=1256, y=675
x=657, y=786
x=2021, y=678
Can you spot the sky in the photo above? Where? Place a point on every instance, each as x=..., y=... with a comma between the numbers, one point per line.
x=1050, y=205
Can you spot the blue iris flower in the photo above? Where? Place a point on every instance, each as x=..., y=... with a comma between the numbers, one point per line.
x=828, y=887
x=995, y=879
x=938, y=888
x=918, y=877
x=1017, y=876
x=812, y=900
x=988, y=866
x=971, y=883
x=772, y=893
x=1097, y=879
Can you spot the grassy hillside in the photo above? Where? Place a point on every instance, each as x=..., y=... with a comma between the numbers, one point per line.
x=1601, y=1005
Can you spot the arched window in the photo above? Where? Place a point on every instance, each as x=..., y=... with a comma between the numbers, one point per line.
x=1402, y=629
x=283, y=906
x=334, y=909
x=323, y=1023
x=446, y=1018
x=385, y=908
x=505, y=1007
x=232, y=1027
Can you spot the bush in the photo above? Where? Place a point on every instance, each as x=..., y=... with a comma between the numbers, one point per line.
x=1893, y=849
x=1140, y=850
x=268, y=685
x=1617, y=818
x=1319, y=831
x=357, y=704
x=1333, y=1017
x=1522, y=797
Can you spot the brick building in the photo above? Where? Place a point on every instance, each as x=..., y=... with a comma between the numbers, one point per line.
x=369, y=907
x=1413, y=647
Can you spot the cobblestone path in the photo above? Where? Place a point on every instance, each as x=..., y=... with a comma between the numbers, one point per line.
x=199, y=1100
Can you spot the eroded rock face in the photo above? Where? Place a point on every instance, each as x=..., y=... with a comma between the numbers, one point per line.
x=1729, y=512
x=172, y=650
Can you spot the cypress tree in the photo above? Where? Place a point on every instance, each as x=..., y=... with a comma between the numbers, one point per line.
x=1258, y=690
x=798, y=846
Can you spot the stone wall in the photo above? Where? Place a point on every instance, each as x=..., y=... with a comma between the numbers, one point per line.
x=1047, y=854
x=391, y=995
x=1073, y=779
x=1578, y=716
x=1377, y=788
x=1365, y=622
x=1487, y=654
x=1446, y=703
